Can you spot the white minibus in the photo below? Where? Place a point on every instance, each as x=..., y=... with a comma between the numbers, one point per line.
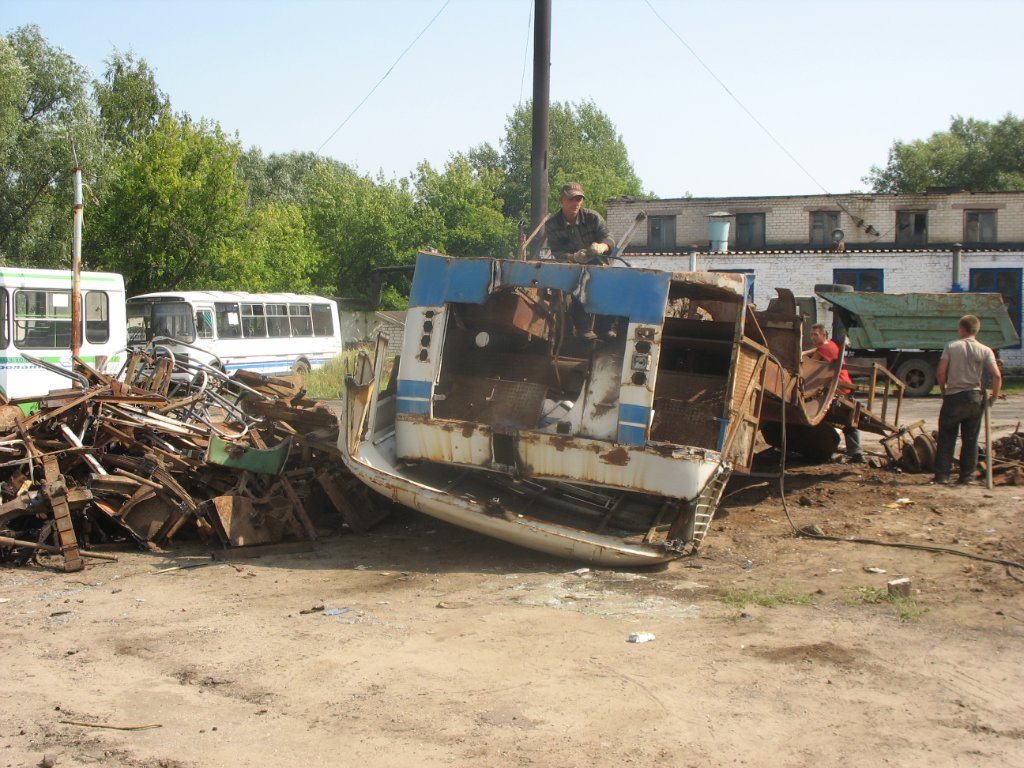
x=271, y=333
x=35, y=306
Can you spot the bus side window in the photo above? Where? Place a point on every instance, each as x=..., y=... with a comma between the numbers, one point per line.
x=5, y=318
x=277, y=320
x=323, y=322
x=204, y=323
x=254, y=321
x=97, y=317
x=42, y=319
x=302, y=325
x=229, y=325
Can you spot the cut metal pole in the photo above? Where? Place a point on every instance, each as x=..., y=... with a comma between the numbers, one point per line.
x=76, y=269
x=541, y=95
x=988, y=440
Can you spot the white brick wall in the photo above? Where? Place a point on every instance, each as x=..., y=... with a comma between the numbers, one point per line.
x=787, y=218
x=923, y=271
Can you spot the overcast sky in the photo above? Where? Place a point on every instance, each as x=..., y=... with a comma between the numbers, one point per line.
x=835, y=82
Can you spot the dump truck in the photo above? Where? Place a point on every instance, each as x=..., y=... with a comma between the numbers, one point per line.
x=906, y=332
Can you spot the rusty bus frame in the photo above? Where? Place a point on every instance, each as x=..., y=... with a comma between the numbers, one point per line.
x=501, y=418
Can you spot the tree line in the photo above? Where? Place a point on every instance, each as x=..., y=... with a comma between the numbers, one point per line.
x=174, y=202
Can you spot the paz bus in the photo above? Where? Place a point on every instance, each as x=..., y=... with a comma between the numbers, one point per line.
x=35, y=307
x=271, y=333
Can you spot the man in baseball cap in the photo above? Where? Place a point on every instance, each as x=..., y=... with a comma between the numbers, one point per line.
x=580, y=235
x=576, y=233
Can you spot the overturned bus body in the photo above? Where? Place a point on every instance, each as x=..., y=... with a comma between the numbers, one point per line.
x=504, y=416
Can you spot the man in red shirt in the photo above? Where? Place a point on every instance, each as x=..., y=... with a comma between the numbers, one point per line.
x=827, y=350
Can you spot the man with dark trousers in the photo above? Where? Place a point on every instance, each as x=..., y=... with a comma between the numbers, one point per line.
x=960, y=370
x=579, y=235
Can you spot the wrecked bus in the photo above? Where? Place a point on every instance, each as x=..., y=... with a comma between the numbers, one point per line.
x=500, y=418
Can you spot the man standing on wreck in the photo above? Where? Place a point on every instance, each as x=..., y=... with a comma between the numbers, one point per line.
x=579, y=235
x=576, y=233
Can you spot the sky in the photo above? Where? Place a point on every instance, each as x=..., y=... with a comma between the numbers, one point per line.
x=712, y=98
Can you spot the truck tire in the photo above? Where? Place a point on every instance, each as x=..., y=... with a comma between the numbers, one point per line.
x=917, y=375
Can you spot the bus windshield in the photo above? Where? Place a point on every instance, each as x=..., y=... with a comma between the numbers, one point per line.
x=172, y=319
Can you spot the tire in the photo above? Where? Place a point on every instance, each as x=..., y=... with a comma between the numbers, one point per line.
x=917, y=375
x=924, y=446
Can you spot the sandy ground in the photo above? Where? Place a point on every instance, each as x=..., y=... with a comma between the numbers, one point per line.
x=434, y=646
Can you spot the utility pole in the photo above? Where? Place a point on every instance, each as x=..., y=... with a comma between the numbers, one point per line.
x=541, y=95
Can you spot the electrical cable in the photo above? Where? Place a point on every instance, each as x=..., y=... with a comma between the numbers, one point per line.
x=526, y=51
x=808, y=532
x=383, y=77
x=751, y=115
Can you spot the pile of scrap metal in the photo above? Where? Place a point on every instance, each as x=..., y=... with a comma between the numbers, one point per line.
x=1008, y=459
x=162, y=449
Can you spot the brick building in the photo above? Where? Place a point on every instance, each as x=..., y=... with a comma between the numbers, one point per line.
x=934, y=242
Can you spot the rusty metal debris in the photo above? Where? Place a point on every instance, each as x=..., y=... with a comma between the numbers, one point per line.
x=167, y=447
x=1008, y=459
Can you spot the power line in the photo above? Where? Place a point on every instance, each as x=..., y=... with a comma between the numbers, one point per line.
x=525, y=53
x=752, y=116
x=383, y=77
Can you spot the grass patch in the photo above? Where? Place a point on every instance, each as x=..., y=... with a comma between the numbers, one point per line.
x=741, y=598
x=328, y=383
x=1013, y=385
x=907, y=608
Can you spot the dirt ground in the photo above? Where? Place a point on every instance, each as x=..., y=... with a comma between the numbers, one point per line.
x=425, y=645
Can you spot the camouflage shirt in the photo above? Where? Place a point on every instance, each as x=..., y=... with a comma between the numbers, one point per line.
x=564, y=238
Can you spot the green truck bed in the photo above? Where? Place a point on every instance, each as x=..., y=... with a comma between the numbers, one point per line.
x=919, y=320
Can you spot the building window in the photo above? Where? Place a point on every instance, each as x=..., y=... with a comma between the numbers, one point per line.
x=749, y=231
x=979, y=226
x=823, y=223
x=661, y=232
x=911, y=228
x=861, y=279
x=1005, y=281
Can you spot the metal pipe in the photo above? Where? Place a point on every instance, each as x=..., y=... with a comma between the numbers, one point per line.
x=957, y=248
x=7, y=541
x=541, y=96
x=627, y=236
x=76, y=269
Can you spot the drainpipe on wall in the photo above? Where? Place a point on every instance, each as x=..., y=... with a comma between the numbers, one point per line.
x=956, y=287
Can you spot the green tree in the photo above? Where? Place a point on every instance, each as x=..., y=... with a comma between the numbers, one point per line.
x=973, y=155
x=361, y=224
x=276, y=252
x=280, y=178
x=130, y=103
x=46, y=120
x=173, y=209
x=583, y=146
x=461, y=210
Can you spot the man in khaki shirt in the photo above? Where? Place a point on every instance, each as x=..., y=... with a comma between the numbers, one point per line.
x=960, y=371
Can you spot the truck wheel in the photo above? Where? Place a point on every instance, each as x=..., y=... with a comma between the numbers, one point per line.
x=918, y=375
